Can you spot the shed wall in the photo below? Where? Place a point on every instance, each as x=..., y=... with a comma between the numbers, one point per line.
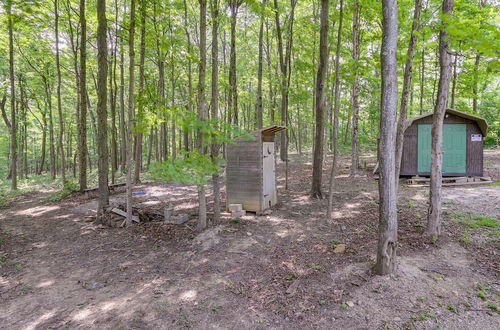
x=244, y=174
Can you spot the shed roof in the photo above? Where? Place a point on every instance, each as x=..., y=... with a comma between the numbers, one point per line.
x=270, y=130
x=481, y=122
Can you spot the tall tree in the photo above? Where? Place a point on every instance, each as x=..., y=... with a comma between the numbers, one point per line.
x=82, y=120
x=102, y=110
x=336, y=110
x=355, y=89
x=59, y=101
x=434, y=216
x=387, y=231
x=260, y=68
x=407, y=77
x=202, y=108
x=130, y=124
x=316, y=191
x=214, y=103
x=13, y=124
x=234, y=6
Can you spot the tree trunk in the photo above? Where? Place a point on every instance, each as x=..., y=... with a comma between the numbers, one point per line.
x=214, y=103
x=355, y=90
x=130, y=125
x=387, y=240
x=202, y=107
x=102, y=111
x=59, y=101
x=82, y=122
x=336, y=109
x=316, y=191
x=123, y=126
x=13, y=130
x=233, y=88
x=434, y=216
x=407, y=77
x=422, y=75
x=455, y=74
x=187, y=134
x=475, y=84
x=140, y=113
x=260, y=68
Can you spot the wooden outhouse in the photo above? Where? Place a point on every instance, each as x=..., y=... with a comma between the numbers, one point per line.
x=463, y=135
x=251, y=172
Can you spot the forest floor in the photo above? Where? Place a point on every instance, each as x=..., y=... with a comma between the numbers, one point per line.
x=290, y=269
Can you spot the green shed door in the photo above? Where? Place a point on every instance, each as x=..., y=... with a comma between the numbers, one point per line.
x=454, y=148
x=424, y=148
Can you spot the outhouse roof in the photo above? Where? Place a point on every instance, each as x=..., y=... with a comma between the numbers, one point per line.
x=270, y=130
x=481, y=122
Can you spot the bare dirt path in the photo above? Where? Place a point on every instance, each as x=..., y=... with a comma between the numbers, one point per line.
x=280, y=271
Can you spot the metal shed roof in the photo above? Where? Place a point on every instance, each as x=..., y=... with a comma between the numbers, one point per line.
x=481, y=122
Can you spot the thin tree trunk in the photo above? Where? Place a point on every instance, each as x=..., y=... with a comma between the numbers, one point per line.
x=130, y=125
x=59, y=101
x=214, y=103
x=355, y=90
x=202, y=115
x=52, y=152
x=140, y=113
x=187, y=134
x=316, y=191
x=13, y=130
x=387, y=230
x=422, y=75
x=260, y=69
x=82, y=122
x=434, y=216
x=102, y=111
x=336, y=109
x=407, y=77
x=454, y=80
x=475, y=83
x=233, y=88
x=123, y=126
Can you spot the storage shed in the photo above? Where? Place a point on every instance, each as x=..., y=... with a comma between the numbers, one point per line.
x=462, y=145
x=250, y=171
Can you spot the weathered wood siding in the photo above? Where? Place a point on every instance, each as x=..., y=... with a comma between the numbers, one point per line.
x=244, y=174
x=474, y=153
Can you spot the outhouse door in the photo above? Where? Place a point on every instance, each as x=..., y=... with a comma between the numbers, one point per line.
x=268, y=174
x=454, y=148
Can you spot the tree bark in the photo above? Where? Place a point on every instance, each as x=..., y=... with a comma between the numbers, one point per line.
x=233, y=88
x=355, y=90
x=82, y=122
x=202, y=107
x=59, y=101
x=336, y=110
x=214, y=104
x=434, y=214
x=13, y=129
x=260, y=68
x=130, y=124
x=475, y=83
x=102, y=110
x=140, y=112
x=407, y=77
x=316, y=191
x=387, y=240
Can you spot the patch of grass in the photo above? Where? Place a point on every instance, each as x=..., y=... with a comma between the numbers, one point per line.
x=323, y=302
x=344, y=305
x=467, y=304
x=314, y=266
x=334, y=241
x=25, y=288
x=411, y=203
x=482, y=221
x=460, y=215
x=290, y=277
x=494, y=233
x=216, y=309
x=495, y=184
x=482, y=294
x=69, y=188
x=466, y=238
x=493, y=307
x=235, y=221
x=426, y=316
x=452, y=308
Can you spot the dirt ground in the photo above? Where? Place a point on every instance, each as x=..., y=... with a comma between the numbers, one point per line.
x=284, y=270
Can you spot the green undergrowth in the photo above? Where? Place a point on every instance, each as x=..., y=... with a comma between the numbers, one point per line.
x=481, y=221
x=69, y=188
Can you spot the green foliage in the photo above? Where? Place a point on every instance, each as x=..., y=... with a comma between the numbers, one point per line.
x=193, y=168
x=426, y=316
x=69, y=188
x=493, y=307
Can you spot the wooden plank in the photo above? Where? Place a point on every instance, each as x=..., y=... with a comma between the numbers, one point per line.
x=452, y=184
x=124, y=214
